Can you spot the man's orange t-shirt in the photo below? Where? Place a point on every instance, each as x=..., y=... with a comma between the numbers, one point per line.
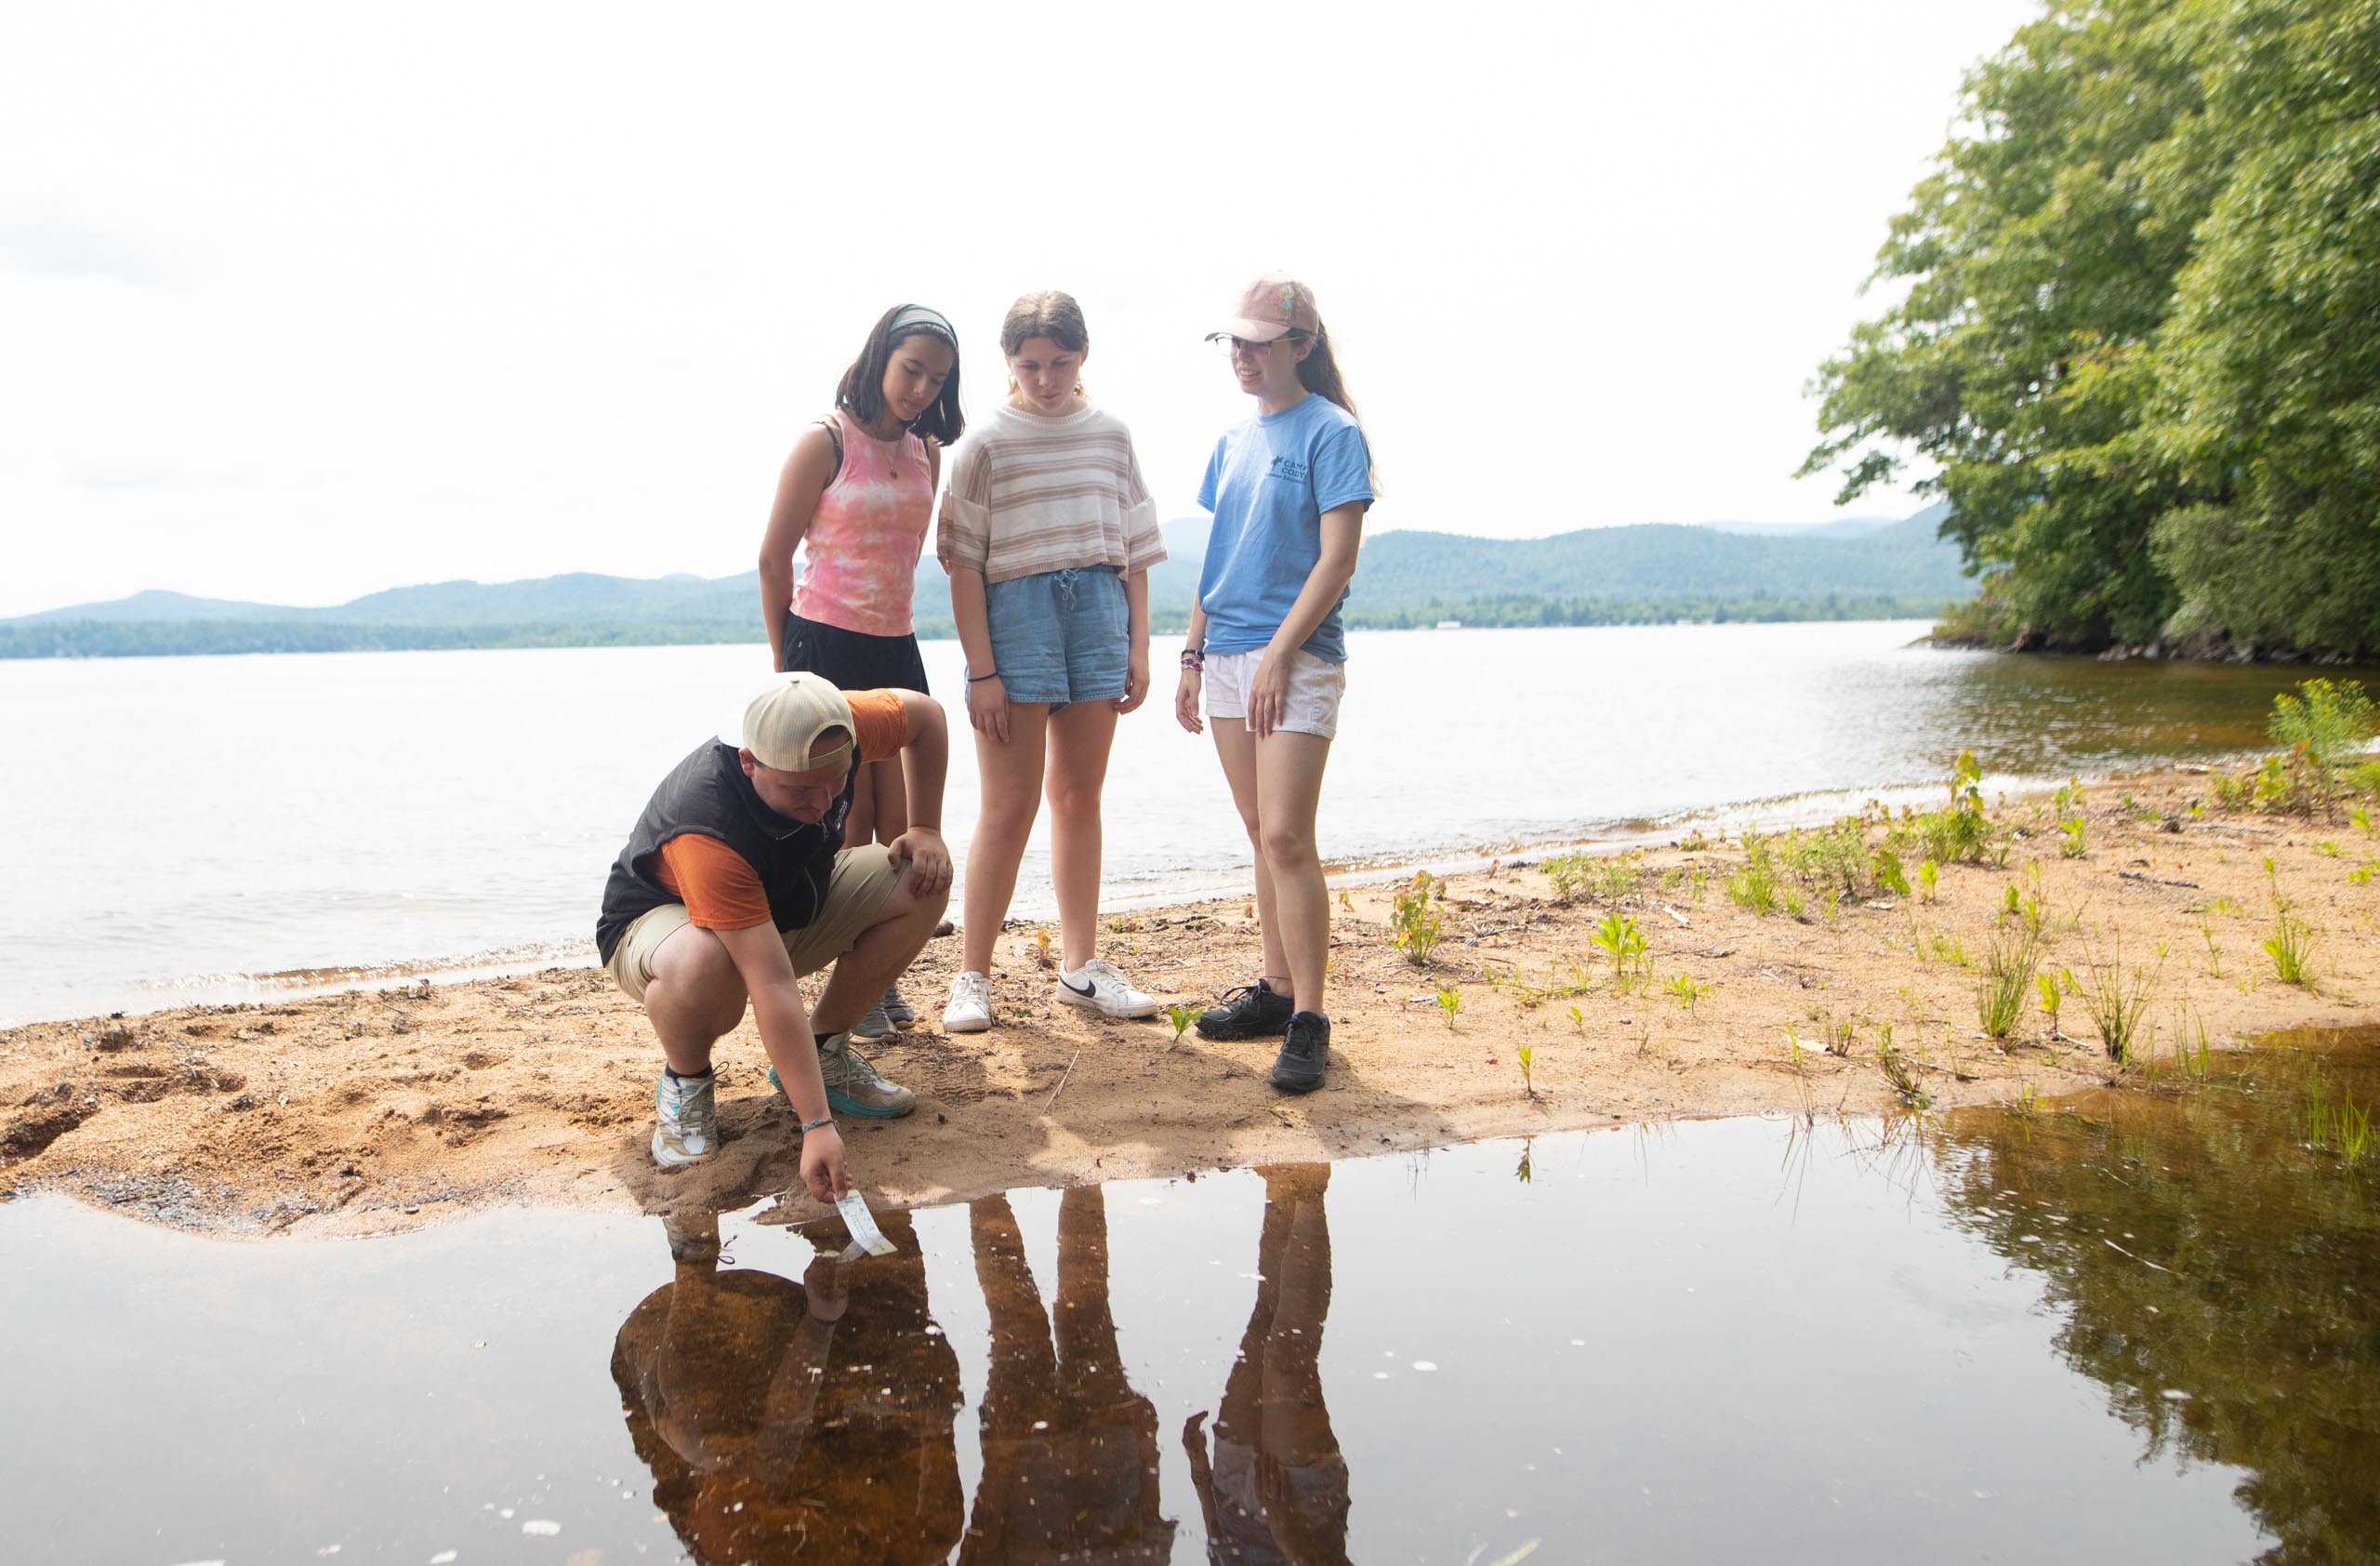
x=721, y=889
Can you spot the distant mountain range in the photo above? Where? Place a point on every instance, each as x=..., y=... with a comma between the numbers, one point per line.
x=1656, y=571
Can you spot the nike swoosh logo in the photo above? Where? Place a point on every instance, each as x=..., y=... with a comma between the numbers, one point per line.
x=1078, y=989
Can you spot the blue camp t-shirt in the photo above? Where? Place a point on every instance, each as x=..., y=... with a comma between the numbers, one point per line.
x=1268, y=484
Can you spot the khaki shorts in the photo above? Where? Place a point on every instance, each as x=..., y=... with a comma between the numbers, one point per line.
x=1316, y=686
x=863, y=880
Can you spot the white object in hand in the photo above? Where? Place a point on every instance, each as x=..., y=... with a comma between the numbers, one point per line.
x=866, y=1236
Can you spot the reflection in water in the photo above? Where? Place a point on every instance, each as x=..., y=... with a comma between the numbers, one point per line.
x=2216, y=1277
x=1070, y=1464
x=1275, y=1489
x=2219, y=1277
x=786, y=1421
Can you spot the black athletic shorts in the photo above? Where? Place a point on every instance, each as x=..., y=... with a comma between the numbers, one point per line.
x=852, y=659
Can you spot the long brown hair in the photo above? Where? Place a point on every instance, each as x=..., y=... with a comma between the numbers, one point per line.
x=1319, y=373
x=1047, y=313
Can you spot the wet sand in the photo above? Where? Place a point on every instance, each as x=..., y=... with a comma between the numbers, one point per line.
x=374, y=1110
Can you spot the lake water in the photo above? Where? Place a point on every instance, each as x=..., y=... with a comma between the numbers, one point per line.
x=2134, y=1328
x=180, y=830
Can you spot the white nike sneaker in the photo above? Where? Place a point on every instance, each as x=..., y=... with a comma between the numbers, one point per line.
x=971, y=1004
x=1097, y=987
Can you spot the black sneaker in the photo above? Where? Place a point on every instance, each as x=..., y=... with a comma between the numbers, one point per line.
x=1298, y=1068
x=1253, y=1011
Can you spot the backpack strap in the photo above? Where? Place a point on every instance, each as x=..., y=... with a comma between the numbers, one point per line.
x=835, y=436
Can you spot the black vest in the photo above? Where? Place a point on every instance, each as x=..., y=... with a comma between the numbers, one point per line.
x=708, y=795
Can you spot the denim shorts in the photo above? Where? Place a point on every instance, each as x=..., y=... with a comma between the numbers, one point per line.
x=1060, y=636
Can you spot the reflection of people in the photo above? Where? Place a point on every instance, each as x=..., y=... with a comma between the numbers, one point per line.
x=1289, y=489
x=787, y=1421
x=735, y=880
x=1276, y=1489
x=1070, y=1469
x=856, y=496
x=1048, y=533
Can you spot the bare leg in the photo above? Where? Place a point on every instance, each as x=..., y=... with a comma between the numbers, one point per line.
x=1288, y=790
x=882, y=952
x=1236, y=747
x=1079, y=738
x=694, y=999
x=1012, y=775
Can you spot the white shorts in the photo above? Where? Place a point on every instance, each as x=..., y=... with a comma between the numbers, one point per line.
x=1316, y=686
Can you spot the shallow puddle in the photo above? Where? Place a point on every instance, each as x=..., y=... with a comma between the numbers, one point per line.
x=2136, y=1327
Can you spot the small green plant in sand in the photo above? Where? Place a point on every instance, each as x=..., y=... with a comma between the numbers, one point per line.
x=1934, y=946
x=1929, y=876
x=2053, y=991
x=1755, y=887
x=1567, y=872
x=2010, y=965
x=2074, y=839
x=1836, y=1034
x=1579, y=1022
x=1182, y=1018
x=2119, y=1005
x=1414, y=917
x=1686, y=991
x=1602, y=878
x=1449, y=1002
x=2292, y=944
x=2213, y=947
x=2290, y=947
x=1901, y=1077
x=1961, y=833
x=2332, y=719
x=1618, y=936
x=1528, y=1059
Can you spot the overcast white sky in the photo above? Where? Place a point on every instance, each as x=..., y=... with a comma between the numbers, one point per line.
x=299, y=303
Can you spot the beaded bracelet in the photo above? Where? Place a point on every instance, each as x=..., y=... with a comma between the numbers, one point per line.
x=813, y=1125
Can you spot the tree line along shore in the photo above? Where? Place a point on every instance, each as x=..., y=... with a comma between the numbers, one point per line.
x=2135, y=333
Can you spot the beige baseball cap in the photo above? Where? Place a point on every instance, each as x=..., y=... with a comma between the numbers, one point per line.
x=781, y=723
x=1271, y=307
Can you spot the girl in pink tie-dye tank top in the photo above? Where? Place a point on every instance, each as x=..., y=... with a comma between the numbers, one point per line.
x=855, y=499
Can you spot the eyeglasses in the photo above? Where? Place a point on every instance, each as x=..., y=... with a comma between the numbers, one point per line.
x=1235, y=346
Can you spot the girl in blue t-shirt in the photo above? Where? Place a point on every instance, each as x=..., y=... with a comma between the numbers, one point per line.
x=1289, y=490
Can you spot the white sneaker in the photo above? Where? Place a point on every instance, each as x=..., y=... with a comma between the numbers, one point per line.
x=685, y=1125
x=971, y=1004
x=1099, y=988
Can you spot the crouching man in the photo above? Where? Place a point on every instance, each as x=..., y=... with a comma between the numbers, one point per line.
x=736, y=880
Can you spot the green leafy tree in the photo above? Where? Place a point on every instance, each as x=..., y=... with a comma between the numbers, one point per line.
x=2270, y=365
x=2037, y=263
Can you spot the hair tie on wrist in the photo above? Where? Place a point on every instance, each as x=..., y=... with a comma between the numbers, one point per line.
x=979, y=679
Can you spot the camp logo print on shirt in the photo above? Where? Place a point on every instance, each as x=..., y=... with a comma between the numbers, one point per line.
x=1288, y=468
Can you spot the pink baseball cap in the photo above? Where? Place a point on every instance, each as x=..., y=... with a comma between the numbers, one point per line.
x=1272, y=307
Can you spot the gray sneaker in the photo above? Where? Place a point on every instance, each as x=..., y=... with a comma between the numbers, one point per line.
x=853, y=1086
x=685, y=1125
x=875, y=1026
x=896, y=1009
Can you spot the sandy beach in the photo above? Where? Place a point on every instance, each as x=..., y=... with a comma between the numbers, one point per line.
x=370, y=1111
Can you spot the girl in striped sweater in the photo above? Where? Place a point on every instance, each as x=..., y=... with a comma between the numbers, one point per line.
x=1048, y=533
